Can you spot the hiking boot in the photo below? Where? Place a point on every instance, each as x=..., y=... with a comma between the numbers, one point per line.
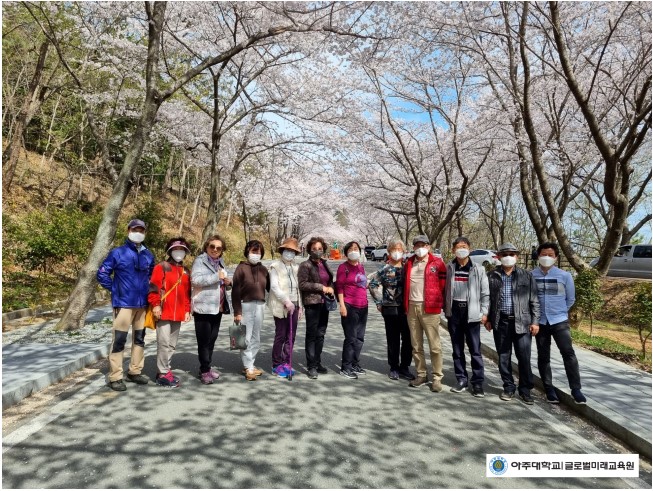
x=358, y=370
x=405, y=373
x=312, y=373
x=578, y=396
x=250, y=374
x=348, y=374
x=551, y=396
x=138, y=379
x=527, y=398
x=393, y=375
x=436, y=386
x=167, y=380
x=418, y=381
x=118, y=385
x=507, y=396
x=214, y=373
x=206, y=378
x=477, y=391
x=257, y=371
x=322, y=369
x=459, y=387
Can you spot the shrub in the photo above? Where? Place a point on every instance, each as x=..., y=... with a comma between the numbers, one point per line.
x=588, y=295
x=639, y=314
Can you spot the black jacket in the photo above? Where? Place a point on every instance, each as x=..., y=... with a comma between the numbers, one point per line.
x=524, y=299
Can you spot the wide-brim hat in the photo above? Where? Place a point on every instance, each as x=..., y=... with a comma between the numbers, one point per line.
x=290, y=243
x=507, y=247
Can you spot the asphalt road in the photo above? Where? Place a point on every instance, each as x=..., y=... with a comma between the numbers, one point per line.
x=274, y=433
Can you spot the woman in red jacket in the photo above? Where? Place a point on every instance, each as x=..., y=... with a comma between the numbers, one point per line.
x=170, y=298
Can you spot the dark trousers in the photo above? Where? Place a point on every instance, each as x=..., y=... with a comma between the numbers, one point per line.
x=397, y=335
x=207, y=327
x=317, y=318
x=281, y=346
x=354, y=328
x=562, y=336
x=504, y=339
x=462, y=331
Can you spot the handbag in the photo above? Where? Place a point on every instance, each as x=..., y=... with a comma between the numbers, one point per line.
x=150, y=321
x=237, y=336
x=331, y=302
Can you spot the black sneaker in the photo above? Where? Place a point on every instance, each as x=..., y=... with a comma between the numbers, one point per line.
x=138, y=379
x=312, y=373
x=393, y=375
x=405, y=373
x=322, y=369
x=459, y=387
x=526, y=397
x=167, y=380
x=118, y=385
x=348, y=373
x=507, y=396
x=578, y=396
x=477, y=391
x=358, y=370
x=551, y=396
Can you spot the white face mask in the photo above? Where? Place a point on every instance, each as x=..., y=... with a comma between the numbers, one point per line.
x=288, y=255
x=136, y=237
x=509, y=261
x=354, y=256
x=178, y=256
x=421, y=252
x=462, y=253
x=254, y=258
x=396, y=255
x=546, y=261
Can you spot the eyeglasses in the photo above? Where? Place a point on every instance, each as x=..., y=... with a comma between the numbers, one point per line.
x=215, y=248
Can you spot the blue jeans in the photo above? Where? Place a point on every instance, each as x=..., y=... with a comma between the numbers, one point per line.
x=460, y=332
x=562, y=336
x=504, y=339
x=354, y=328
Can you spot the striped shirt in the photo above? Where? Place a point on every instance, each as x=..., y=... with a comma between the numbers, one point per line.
x=460, y=289
x=505, y=304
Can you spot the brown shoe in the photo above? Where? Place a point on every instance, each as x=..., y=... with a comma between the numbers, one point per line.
x=418, y=381
x=257, y=371
x=250, y=374
x=436, y=386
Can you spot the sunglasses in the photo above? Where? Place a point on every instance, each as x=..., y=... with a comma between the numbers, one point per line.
x=215, y=248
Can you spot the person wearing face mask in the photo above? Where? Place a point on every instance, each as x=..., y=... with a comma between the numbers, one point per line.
x=210, y=283
x=467, y=298
x=285, y=303
x=170, y=279
x=126, y=274
x=351, y=285
x=315, y=282
x=556, y=293
x=251, y=281
x=425, y=279
x=387, y=290
x=514, y=317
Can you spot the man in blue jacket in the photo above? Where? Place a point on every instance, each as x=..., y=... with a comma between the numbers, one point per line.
x=131, y=265
x=556, y=293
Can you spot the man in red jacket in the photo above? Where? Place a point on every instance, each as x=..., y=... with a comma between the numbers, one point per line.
x=425, y=279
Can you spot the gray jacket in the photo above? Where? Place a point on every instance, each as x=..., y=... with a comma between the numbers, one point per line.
x=524, y=299
x=478, y=292
x=206, y=286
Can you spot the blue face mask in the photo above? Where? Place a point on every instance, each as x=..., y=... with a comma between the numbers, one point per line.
x=288, y=255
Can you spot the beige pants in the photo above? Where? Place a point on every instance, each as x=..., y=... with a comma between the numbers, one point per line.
x=167, y=333
x=122, y=319
x=420, y=323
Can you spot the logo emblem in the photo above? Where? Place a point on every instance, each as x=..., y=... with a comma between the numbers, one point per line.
x=498, y=465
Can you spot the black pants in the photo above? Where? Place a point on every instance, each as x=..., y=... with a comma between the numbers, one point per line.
x=317, y=318
x=460, y=332
x=207, y=327
x=562, y=336
x=504, y=339
x=354, y=328
x=398, y=336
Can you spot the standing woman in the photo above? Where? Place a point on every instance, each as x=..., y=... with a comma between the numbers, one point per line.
x=387, y=289
x=351, y=285
x=170, y=279
x=284, y=302
x=251, y=281
x=315, y=281
x=210, y=281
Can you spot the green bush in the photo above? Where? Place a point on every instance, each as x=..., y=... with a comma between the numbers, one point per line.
x=639, y=314
x=588, y=294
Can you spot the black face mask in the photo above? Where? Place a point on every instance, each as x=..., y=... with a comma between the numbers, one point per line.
x=317, y=254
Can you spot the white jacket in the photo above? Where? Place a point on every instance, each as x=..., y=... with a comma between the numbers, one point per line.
x=281, y=275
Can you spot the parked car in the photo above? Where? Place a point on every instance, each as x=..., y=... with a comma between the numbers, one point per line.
x=380, y=253
x=630, y=261
x=484, y=257
x=368, y=251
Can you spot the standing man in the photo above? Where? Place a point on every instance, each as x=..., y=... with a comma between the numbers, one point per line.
x=425, y=277
x=467, y=299
x=514, y=315
x=556, y=293
x=131, y=265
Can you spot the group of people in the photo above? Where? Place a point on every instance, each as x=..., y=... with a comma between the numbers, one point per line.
x=410, y=292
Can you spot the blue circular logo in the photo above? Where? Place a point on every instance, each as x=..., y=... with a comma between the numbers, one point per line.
x=498, y=465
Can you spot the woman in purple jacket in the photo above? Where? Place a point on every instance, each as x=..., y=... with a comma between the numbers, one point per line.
x=351, y=285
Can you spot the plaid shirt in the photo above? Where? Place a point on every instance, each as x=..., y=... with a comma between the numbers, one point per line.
x=505, y=305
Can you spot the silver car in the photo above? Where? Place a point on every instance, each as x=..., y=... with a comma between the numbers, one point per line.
x=484, y=257
x=630, y=261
